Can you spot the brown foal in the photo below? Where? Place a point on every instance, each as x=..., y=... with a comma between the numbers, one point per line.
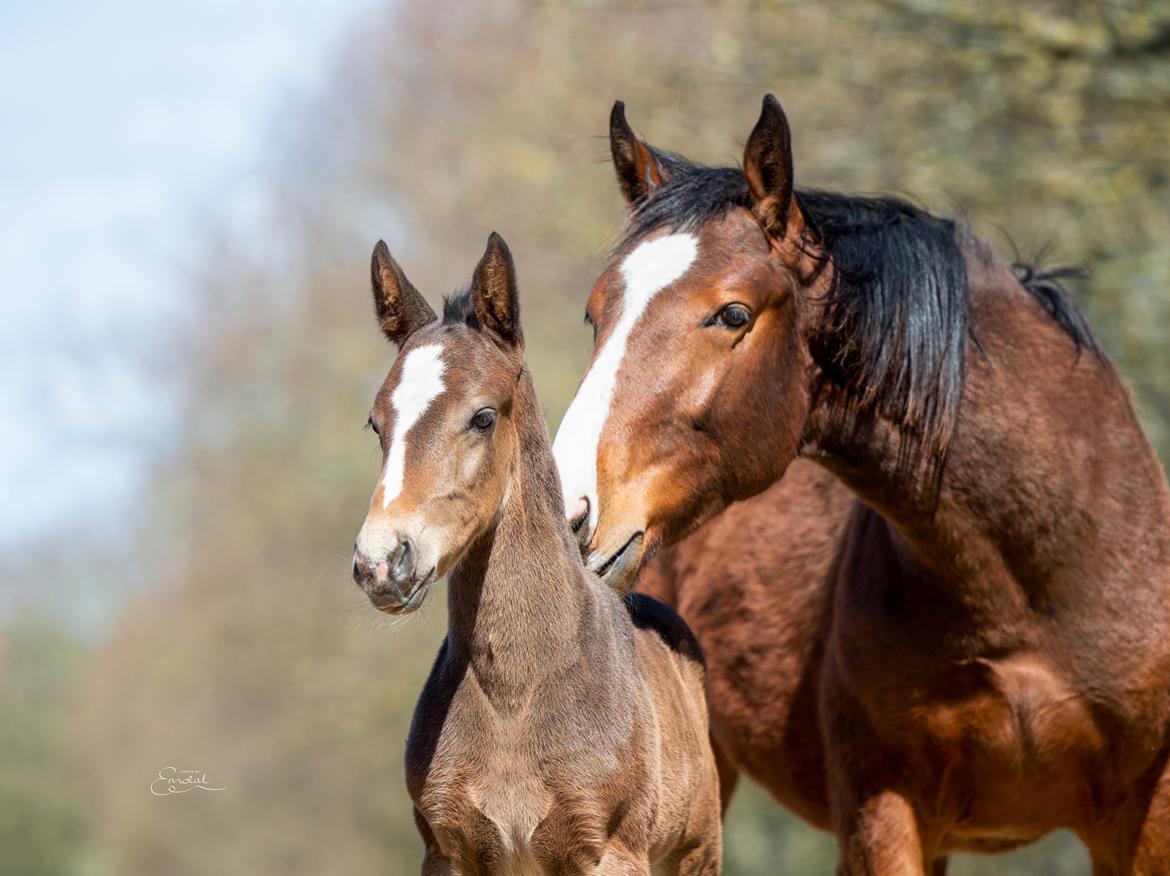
x=953, y=631
x=562, y=729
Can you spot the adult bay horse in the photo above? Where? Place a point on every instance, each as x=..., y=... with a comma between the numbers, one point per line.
x=978, y=649
x=562, y=729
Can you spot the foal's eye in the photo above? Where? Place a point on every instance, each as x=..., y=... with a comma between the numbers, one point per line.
x=371, y=425
x=484, y=419
x=732, y=316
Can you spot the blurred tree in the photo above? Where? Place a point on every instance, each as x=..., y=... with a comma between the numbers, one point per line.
x=254, y=659
x=41, y=804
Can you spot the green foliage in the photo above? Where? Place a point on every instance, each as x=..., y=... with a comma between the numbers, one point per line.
x=41, y=802
x=254, y=659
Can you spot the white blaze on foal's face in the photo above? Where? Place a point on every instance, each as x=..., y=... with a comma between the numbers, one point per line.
x=445, y=430
x=647, y=270
x=420, y=384
x=443, y=420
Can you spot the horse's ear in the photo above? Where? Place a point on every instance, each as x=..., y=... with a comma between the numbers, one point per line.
x=494, y=294
x=767, y=164
x=638, y=168
x=400, y=307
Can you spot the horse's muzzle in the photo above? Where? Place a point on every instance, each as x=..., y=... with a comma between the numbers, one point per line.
x=619, y=569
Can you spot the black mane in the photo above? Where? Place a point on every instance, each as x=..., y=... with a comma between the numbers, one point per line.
x=459, y=310
x=647, y=613
x=898, y=302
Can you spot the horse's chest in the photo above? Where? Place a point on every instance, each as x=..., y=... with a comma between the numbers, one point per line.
x=1016, y=709
x=1011, y=721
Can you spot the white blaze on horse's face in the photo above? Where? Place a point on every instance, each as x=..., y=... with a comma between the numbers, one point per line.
x=420, y=384
x=649, y=269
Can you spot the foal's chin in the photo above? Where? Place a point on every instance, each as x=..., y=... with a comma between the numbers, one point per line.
x=394, y=604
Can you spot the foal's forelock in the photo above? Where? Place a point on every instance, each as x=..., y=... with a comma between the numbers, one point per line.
x=420, y=384
x=648, y=269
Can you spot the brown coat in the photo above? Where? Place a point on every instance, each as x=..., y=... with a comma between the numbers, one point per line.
x=560, y=730
x=563, y=729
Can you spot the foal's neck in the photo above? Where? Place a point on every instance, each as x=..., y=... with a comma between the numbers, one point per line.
x=519, y=600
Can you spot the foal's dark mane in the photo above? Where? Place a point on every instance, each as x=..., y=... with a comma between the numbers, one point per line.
x=458, y=308
x=897, y=307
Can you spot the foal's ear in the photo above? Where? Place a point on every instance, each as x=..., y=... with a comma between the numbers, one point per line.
x=638, y=168
x=494, y=294
x=400, y=307
x=767, y=164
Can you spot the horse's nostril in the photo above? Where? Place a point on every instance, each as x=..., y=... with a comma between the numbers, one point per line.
x=580, y=515
x=357, y=573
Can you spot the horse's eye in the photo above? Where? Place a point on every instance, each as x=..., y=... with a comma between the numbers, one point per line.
x=733, y=316
x=370, y=424
x=484, y=419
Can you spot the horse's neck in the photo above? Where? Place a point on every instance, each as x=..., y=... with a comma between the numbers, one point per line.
x=519, y=602
x=1047, y=477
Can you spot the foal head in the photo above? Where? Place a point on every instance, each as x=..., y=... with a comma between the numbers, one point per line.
x=698, y=331
x=444, y=418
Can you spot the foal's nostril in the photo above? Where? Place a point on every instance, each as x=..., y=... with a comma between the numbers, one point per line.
x=357, y=573
x=402, y=562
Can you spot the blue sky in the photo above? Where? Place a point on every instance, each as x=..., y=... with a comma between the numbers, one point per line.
x=125, y=127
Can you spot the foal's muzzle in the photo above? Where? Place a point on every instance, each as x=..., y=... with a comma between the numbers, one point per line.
x=392, y=580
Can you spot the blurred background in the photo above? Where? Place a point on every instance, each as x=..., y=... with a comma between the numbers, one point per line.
x=190, y=193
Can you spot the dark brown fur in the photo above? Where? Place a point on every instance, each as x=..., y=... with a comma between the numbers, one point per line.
x=965, y=663
x=762, y=618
